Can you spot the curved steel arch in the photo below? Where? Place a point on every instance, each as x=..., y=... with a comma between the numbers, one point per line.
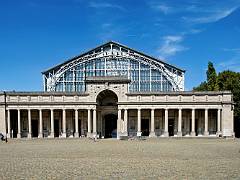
x=170, y=76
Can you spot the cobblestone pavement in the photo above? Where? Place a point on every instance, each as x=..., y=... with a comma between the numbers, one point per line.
x=113, y=159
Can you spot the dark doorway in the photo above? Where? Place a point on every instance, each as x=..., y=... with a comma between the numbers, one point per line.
x=14, y=123
x=110, y=126
x=56, y=128
x=34, y=128
x=79, y=127
x=145, y=127
x=196, y=127
x=237, y=127
x=171, y=127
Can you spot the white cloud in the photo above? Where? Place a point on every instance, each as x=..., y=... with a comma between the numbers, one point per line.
x=170, y=46
x=101, y=5
x=106, y=25
x=232, y=49
x=233, y=64
x=210, y=16
x=162, y=8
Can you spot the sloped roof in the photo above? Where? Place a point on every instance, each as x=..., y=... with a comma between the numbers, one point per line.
x=104, y=45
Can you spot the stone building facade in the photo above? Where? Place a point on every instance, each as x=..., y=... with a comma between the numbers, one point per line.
x=115, y=91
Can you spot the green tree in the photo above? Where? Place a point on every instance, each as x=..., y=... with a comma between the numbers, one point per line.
x=211, y=78
x=211, y=84
x=202, y=87
x=229, y=80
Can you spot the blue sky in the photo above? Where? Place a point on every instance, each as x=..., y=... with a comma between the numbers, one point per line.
x=38, y=34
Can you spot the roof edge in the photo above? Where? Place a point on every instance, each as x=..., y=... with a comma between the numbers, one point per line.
x=104, y=44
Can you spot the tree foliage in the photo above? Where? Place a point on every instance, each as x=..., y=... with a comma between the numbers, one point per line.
x=211, y=78
x=229, y=80
x=225, y=80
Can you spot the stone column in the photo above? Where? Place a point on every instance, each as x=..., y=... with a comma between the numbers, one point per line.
x=152, y=133
x=193, y=123
x=179, y=122
x=40, y=135
x=166, y=134
x=219, y=122
x=139, y=132
x=94, y=123
x=76, y=134
x=64, y=135
x=19, y=125
x=9, y=126
x=119, y=123
x=52, y=123
x=89, y=123
x=29, y=124
x=125, y=122
x=206, y=132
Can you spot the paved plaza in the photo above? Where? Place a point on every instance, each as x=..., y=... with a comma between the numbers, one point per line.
x=132, y=159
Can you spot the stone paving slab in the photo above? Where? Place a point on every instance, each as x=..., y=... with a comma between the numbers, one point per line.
x=113, y=159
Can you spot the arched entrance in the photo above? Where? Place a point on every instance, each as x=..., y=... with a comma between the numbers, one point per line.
x=107, y=113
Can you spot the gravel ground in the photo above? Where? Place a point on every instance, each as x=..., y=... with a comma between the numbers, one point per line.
x=114, y=159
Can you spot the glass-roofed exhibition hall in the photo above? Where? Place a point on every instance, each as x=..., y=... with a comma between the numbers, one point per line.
x=113, y=91
x=145, y=73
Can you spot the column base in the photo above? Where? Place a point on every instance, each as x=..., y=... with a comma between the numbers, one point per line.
x=76, y=135
x=219, y=133
x=40, y=135
x=179, y=134
x=89, y=134
x=29, y=135
x=94, y=134
x=152, y=134
x=193, y=134
x=8, y=135
x=51, y=135
x=166, y=134
x=18, y=135
x=206, y=133
x=139, y=133
x=64, y=135
x=124, y=134
x=119, y=134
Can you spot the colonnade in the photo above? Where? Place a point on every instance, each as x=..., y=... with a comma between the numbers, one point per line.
x=166, y=119
x=92, y=122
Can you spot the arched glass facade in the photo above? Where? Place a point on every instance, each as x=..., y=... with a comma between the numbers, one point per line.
x=143, y=77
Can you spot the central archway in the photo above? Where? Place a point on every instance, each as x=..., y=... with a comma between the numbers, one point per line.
x=107, y=98
x=107, y=112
